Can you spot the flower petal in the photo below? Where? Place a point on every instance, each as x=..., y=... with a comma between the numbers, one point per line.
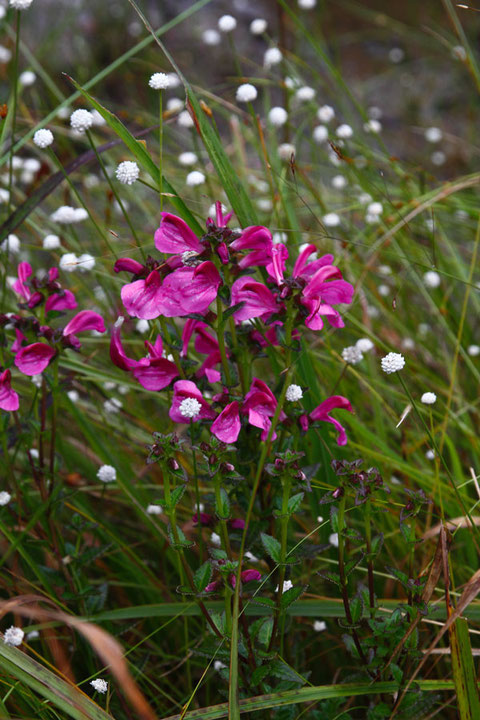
x=227, y=425
x=174, y=236
x=33, y=359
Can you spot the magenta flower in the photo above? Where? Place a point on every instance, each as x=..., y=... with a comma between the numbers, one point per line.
x=141, y=298
x=33, y=359
x=63, y=300
x=260, y=405
x=258, y=300
x=227, y=425
x=322, y=412
x=128, y=265
x=8, y=397
x=153, y=372
x=246, y=576
x=258, y=239
x=174, y=236
x=84, y=320
x=58, y=299
x=188, y=403
x=20, y=286
x=189, y=290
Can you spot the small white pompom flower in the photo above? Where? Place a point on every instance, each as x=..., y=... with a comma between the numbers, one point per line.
x=272, y=57
x=320, y=134
x=159, y=81
x=430, y=454
x=13, y=636
x=190, y=408
x=51, y=242
x=68, y=262
x=352, y=355
x=432, y=279
x=154, y=509
x=333, y=539
x=107, y=474
x=428, y=398
x=373, y=126
x=211, y=37
x=305, y=94
x=215, y=539
x=319, y=625
x=5, y=497
x=473, y=350
x=277, y=116
x=43, y=138
x=433, y=134
x=73, y=396
x=285, y=151
x=339, y=182
x=99, y=685
x=287, y=585
x=227, y=23
x=195, y=178
x=246, y=93
x=326, y=113
x=258, y=26
x=81, y=120
x=127, y=172
x=174, y=104
x=187, y=158
x=20, y=4
x=331, y=219
x=86, y=262
x=307, y=4
x=396, y=55
x=375, y=208
x=364, y=345
x=27, y=78
x=12, y=244
x=37, y=380
x=344, y=131
x=393, y=362
x=64, y=215
x=218, y=665
x=142, y=326
x=5, y=54
x=438, y=158
x=294, y=393
x=184, y=119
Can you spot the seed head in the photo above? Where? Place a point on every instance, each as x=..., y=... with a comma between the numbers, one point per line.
x=43, y=138
x=159, y=81
x=428, y=398
x=352, y=355
x=99, y=685
x=81, y=120
x=195, y=178
x=107, y=474
x=294, y=393
x=258, y=26
x=20, y=4
x=127, y=172
x=278, y=116
x=246, y=93
x=227, y=23
x=13, y=636
x=5, y=497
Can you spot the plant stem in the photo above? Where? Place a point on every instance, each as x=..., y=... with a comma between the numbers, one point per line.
x=160, y=141
x=368, y=540
x=284, y=519
x=221, y=341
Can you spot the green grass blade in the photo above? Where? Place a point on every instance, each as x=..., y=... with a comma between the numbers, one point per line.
x=463, y=668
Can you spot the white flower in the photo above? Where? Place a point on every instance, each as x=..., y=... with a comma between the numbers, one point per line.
x=211, y=37
x=280, y=237
x=375, y=208
x=333, y=539
x=51, y=242
x=373, y=126
x=37, y=380
x=278, y=116
x=13, y=636
x=459, y=53
x=392, y=362
x=174, y=80
x=264, y=204
x=66, y=215
x=187, y=158
x=12, y=244
x=285, y=151
x=344, y=131
x=81, y=120
x=5, y=54
x=227, y=23
x=73, y=396
x=258, y=26
x=432, y=279
x=4, y=195
x=428, y=398
x=438, y=158
x=319, y=625
x=190, y=408
x=175, y=104
x=352, y=355
x=246, y=93
x=408, y=343
x=250, y=556
x=27, y=78
x=142, y=326
x=396, y=55
x=20, y=4
x=320, y=133
x=5, y=497
x=305, y=94
x=195, y=178
x=433, y=134
x=159, y=81
x=375, y=112
x=86, y=262
x=215, y=539
x=184, y=119
x=107, y=474
x=218, y=665
x=307, y=4
x=319, y=519
x=272, y=57
x=43, y=138
x=339, y=182
x=287, y=584
x=127, y=172
x=326, y=113
x=331, y=219
x=364, y=345
x=99, y=685
x=154, y=509
x=383, y=290
x=34, y=453
x=473, y=350
x=68, y=262
x=294, y=393
x=430, y=454
x=384, y=269
x=98, y=119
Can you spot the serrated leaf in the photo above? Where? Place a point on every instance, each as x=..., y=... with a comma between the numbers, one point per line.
x=353, y=562
x=177, y=494
x=272, y=546
x=356, y=609
x=202, y=576
x=289, y=596
x=294, y=503
x=331, y=576
x=222, y=505
x=265, y=632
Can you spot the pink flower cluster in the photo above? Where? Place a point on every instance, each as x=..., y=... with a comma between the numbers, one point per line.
x=187, y=283
x=33, y=358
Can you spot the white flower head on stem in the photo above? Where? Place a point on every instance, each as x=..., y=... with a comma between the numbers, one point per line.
x=13, y=636
x=159, y=81
x=43, y=138
x=294, y=393
x=99, y=685
x=107, y=474
x=246, y=93
x=81, y=120
x=190, y=408
x=428, y=398
x=127, y=172
x=393, y=362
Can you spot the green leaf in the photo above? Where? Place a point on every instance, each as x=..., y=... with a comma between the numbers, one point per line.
x=265, y=632
x=272, y=546
x=464, y=673
x=222, y=505
x=289, y=596
x=295, y=502
x=356, y=609
x=177, y=494
x=202, y=576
